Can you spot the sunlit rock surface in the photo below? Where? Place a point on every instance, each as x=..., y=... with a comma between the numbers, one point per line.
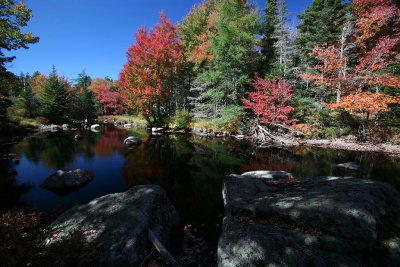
x=119, y=223
x=323, y=221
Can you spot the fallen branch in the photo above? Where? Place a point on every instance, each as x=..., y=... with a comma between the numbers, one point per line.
x=169, y=259
x=273, y=137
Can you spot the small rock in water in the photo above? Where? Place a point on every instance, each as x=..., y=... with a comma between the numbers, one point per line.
x=349, y=165
x=132, y=141
x=78, y=137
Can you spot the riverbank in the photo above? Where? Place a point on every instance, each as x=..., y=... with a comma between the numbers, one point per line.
x=353, y=145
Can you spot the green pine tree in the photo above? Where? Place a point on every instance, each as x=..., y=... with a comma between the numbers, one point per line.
x=85, y=100
x=233, y=48
x=55, y=101
x=267, y=40
x=322, y=23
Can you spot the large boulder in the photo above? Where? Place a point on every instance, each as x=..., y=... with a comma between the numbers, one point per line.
x=323, y=221
x=64, y=180
x=120, y=224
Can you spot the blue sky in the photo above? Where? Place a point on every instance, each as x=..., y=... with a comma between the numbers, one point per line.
x=95, y=34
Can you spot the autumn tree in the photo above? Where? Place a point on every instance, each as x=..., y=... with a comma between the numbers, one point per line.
x=377, y=31
x=149, y=76
x=269, y=102
x=107, y=95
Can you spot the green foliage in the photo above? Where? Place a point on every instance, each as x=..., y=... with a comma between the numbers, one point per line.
x=267, y=41
x=229, y=118
x=13, y=16
x=30, y=102
x=233, y=47
x=86, y=105
x=321, y=23
x=55, y=101
x=182, y=119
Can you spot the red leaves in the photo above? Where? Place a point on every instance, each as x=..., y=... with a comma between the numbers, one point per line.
x=331, y=68
x=110, y=100
x=378, y=36
x=151, y=63
x=269, y=101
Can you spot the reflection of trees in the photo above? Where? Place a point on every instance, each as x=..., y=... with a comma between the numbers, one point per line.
x=110, y=140
x=189, y=169
x=10, y=191
x=53, y=149
x=271, y=160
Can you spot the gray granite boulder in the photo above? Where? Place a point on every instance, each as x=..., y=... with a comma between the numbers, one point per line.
x=120, y=223
x=323, y=221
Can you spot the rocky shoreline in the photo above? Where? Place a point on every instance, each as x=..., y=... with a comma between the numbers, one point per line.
x=271, y=219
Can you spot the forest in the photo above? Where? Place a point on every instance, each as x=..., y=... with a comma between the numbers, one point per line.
x=232, y=66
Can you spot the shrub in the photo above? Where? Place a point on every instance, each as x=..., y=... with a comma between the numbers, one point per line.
x=182, y=119
x=229, y=118
x=42, y=120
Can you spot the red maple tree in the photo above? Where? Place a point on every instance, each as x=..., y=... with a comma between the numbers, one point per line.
x=269, y=102
x=107, y=95
x=377, y=31
x=146, y=81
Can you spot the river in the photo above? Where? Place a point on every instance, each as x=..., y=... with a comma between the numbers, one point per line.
x=190, y=168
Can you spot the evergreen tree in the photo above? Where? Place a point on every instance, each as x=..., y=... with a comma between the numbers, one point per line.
x=321, y=24
x=267, y=41
x=233, y=49
x=55, y=101
x=85, y=99
x=30, y=101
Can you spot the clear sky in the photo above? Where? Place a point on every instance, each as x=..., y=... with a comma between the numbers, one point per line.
x=95, y=34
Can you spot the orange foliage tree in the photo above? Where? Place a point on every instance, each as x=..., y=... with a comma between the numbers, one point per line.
x=147, y=79
x=377, y=39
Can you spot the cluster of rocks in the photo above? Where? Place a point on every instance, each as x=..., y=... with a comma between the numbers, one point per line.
x=271, y=219
x=54, y=127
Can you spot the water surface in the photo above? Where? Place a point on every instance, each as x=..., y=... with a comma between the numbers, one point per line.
x=189, y=168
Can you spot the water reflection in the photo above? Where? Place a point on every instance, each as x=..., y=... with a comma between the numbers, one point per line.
x=188, y=167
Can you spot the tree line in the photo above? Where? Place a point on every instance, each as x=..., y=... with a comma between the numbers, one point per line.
x=227, y=61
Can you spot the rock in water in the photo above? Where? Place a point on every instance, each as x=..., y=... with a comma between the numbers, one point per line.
x=120, y=224
x=350, y=166
x=132, y=141
x=66, y=180
x=323, y=221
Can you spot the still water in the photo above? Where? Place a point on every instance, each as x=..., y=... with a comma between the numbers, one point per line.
x=190, y=168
